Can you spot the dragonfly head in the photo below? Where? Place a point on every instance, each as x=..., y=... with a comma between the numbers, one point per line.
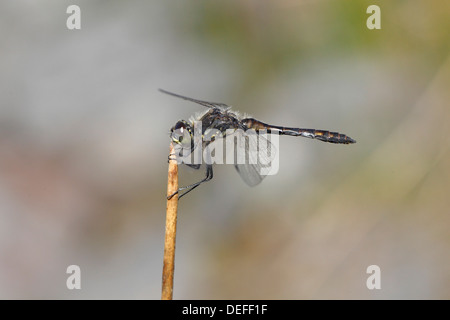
x=181, y=133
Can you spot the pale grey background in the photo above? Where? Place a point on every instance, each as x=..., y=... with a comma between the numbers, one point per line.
x=84, y=144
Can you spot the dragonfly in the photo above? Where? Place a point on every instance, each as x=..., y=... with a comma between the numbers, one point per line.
x=221, y=119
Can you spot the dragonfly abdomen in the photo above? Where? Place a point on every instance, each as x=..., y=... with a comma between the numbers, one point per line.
x=322, y=135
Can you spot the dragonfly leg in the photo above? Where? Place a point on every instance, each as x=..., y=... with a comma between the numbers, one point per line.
x=209, y=176
x=171, y=157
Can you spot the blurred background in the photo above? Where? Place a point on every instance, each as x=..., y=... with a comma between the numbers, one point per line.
x=84, y=144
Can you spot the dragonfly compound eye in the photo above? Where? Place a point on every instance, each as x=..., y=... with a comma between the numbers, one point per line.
x=180, y=132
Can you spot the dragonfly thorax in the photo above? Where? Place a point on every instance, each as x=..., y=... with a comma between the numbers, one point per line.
x=220, y=120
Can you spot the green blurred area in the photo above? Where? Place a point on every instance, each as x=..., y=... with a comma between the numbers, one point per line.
x=268, y=37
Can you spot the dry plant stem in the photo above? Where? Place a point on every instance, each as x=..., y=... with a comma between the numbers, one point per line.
x=171, y=228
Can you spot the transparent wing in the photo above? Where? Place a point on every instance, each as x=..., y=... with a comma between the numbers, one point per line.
x=259, y=155
x=253, y=155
